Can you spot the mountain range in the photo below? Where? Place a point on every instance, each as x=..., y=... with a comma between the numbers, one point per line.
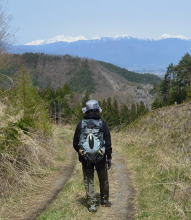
x=140, y=55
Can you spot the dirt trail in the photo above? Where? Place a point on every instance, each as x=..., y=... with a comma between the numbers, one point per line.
x=122, y=192
x=52, y=189
x=122, y=196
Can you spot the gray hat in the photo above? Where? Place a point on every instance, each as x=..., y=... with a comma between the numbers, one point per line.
x=90, y=105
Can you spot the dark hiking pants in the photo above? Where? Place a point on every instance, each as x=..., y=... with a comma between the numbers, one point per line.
x=88, y=172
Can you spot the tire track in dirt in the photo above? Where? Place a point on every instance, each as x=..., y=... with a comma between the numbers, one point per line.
x=122, y=192
x=51, y=194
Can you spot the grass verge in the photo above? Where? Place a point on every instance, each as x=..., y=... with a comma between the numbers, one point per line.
x=20, y=203
x=158, y=151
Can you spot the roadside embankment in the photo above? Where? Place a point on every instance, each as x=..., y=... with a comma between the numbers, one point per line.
x=157, y=148
x=45, y=183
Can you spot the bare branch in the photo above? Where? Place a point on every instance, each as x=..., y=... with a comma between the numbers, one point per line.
x=4, y=35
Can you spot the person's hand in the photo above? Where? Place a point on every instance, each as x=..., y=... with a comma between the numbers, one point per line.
x=108, y=164
x=81, y=152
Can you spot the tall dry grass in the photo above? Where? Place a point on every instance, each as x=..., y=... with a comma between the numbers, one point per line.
x=158, y=151
x=23, y=156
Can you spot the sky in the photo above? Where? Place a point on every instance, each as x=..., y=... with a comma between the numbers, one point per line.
x=44, y=19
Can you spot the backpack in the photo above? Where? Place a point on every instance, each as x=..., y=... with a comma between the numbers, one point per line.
x=91, y=140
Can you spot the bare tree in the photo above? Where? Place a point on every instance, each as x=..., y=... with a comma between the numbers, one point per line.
x=4, y=35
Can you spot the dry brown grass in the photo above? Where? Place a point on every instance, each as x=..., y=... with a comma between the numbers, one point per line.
x=158, y=150
x=22, y=156
x=34, y=184
x=18, y=168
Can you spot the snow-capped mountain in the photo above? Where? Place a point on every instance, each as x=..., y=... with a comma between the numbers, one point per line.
x=58, y=38
x=62, y=38
x=141, y=55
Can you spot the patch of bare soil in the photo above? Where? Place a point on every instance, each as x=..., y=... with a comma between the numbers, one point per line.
x=122, y=192
x=45, y=191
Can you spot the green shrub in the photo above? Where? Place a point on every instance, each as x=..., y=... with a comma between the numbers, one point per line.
x=9, y=137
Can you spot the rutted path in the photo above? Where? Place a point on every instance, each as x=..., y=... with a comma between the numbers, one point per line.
x=71, y=203
x=52, y=189
x=122, y=192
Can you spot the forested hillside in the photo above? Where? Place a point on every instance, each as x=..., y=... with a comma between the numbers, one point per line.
x=100, y=79
x=146, y=78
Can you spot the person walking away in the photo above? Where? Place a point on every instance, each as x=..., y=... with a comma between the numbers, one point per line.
x=92, y=141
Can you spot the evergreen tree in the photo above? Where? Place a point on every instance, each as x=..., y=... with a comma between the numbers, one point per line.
x=85, y=98
x=124, y=114
x=115, y=113
x=176, y=85
x=25, y=101
x=133, y=112
x=165, y=84
x=141, y=109
x=108, y=112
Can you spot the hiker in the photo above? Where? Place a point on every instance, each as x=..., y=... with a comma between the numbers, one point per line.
x=92, y=141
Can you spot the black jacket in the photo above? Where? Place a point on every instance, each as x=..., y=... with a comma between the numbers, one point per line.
x=106, y=134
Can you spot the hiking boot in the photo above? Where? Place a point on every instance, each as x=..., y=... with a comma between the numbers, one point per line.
x=105, y=203
x=92, y=208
